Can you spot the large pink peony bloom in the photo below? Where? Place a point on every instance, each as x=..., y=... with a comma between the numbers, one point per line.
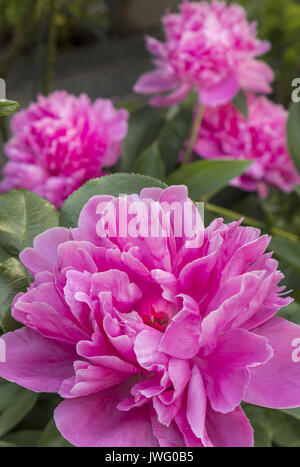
x=150, y=341
x=211, y=47
x=262, y=138
x=60, y=142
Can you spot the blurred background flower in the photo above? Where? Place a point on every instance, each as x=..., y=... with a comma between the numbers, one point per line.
x=209, y=47
x=97, y=47
x=60, y=142
x=261, y=137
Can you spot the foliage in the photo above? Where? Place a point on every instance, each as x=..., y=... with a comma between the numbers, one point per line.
x=279, y=22
x=78, y=22
x=150, y=152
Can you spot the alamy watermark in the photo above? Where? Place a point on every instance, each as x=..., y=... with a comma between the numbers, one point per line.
x=296, y=91
x=125, y=217
x=2, y=350
x=2, y=90
x=296, y=352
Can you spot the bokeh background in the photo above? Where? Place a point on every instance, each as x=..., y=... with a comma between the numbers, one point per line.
x=97, y=46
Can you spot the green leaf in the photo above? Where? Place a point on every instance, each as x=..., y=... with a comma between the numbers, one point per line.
x=17, y=405
x=42, y=412
x=8, y=392
x=293, y=134
x=240, y=102
x=144, y=126
x=112, y=185
x=13, y=279
x=23, y=215
x=204, y=178
x=286, y=428
x=287, y=250
x=173, y=137
x=291, y=313
x=297, y=189
x=150, y=163
x=3, y=255
x=293, y=412
x=7, y=107
x=51, y=437
x=23, y=438
x=261, y=425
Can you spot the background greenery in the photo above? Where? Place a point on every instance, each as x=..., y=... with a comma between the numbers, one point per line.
x=81, y=22
x=155, y=138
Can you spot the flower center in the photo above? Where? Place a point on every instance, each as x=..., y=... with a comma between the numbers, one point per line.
x=156, y=319
x=158, y=315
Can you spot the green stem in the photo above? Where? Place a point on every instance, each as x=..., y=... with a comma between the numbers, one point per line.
x=4, y=129
x=51, y=48
x=22, y=34
x=250, y=221
x=194, y=134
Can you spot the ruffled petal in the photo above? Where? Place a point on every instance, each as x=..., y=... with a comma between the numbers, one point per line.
x=226, y=370
x=277, y=383
x=229, y=430
x=36, y=363
x=219, y=94
x=95, y=421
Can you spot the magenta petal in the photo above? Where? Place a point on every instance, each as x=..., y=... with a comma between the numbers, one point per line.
x=255, y=75
x=168, y=437
x=181, y=339
x=226, y=369
x=118, y=284
x=277, y=383
x=166, y=413
x=42, y=309
x=36, y=363
x=94, y=421
x=173, y=98
x=153, y=82
x=219, y=94
x=190, y=438
x=89, y=379
x=196, y=403
x=146, y=348
x=229, y=430
x=44, y=254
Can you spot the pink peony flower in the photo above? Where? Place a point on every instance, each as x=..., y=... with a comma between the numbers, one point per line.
x=149, y=341
x=262, y=137
x=211, y=47
x=60, y=142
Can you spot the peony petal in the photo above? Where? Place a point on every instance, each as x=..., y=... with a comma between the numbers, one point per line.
x=190, y=438
x=277, y=383
x=44, y=254
x=181, y=339
x=147, y=351
x=90, y=379
x=36, y=363
x=171, y=99
x=219, y=94
x=153, y=82
x=124, y=292
x=94, y=421
x=226, y=370
x=196, y=403
x=255, y=75
x=229, y=430
x=168, y=437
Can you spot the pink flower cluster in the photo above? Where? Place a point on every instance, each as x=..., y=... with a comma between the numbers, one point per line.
x=60, y=142
x=151, y=342
x=211, y=47
x=261, y=138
